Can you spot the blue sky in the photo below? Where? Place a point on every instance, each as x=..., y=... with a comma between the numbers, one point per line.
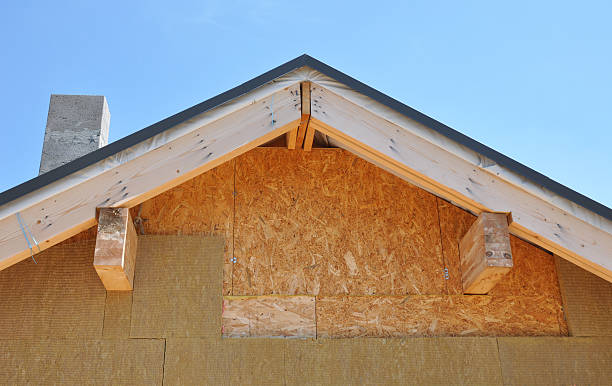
x=532, y=80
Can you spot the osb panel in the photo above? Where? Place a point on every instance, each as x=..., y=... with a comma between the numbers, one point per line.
x=117, y=314
x=203, y=205
x=440, y=361
x=436, y=315
x=269, y=316
x=177, y=287
x=587, y=300
x=326, y=222
x=533, y=273
x=82, y=361
x=224, y=362
x=556, y=361
x=61, y=296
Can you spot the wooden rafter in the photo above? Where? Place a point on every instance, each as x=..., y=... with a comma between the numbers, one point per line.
x=456, y=179
x=127, y=183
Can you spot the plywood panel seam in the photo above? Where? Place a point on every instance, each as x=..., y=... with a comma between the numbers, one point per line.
x=234, y=194
x=445, y=270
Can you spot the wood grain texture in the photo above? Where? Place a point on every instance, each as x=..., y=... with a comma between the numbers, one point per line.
x=116, y=244
x=437, y=315
x=269, y=316
x=327, y=222
x=485, y=253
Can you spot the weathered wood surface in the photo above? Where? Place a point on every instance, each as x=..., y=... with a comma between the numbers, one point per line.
x=269, y=316
x=469, y=185
x=203, y=146
x=486, y=256
x=116, y=244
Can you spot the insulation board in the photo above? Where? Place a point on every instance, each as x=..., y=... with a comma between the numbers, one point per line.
x=61, y=296
x=82, y=361
x=556, y=361
x=587, y=300
x=177, y=287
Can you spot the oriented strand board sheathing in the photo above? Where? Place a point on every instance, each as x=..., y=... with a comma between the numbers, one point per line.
x=436, y=315
x=269, y=316
x=420, y=361
x=61, y=296
x=117, y=314
x=195, y=361
x=82, y=362
x=327, y=222
x=556, y=361
x=177, y=287
x=203, y=205
x=454, y=224
x=587, y=300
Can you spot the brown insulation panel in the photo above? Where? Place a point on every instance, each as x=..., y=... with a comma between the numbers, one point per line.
x=203, y=205
x=177, y=287
x=82, y=361
x=269, y=316
x=587, y=300
x=472, y=361
x=117, y=314
x=225, y=362
x=556, y=361
x=306, y=223
x=61, y=296
x=436, y=315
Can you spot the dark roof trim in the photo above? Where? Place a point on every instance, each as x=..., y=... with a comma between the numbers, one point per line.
x=354, y=84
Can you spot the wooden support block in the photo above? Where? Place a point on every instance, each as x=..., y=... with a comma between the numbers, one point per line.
x=485, y=253
x=304, y=121
x=115, y=254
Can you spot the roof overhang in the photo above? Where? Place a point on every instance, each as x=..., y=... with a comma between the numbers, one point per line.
x=63, y=202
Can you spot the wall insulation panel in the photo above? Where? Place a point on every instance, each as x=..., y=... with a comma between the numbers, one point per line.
x=177, y=287
x=587, y=300
x=82, y=361
x=61, y=296
x=556, y=361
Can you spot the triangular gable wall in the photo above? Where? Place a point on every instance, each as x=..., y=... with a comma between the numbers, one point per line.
x=376, y=132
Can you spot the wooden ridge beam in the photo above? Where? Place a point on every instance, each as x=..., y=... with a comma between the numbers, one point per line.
x=485, y=253
x=401, y=151
x=116, y=244
x=302, y=131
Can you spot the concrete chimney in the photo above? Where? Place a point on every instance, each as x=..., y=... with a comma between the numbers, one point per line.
x=76, y=125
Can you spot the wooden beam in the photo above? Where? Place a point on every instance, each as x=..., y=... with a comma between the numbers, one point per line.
x=465, y=183
x=291, y=137
x=310, y=132
x=485, y=253
x=115, y=254
x=125, y=181
x=305, y=119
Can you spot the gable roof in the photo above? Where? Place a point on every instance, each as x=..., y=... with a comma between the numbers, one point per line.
x=336, y=88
